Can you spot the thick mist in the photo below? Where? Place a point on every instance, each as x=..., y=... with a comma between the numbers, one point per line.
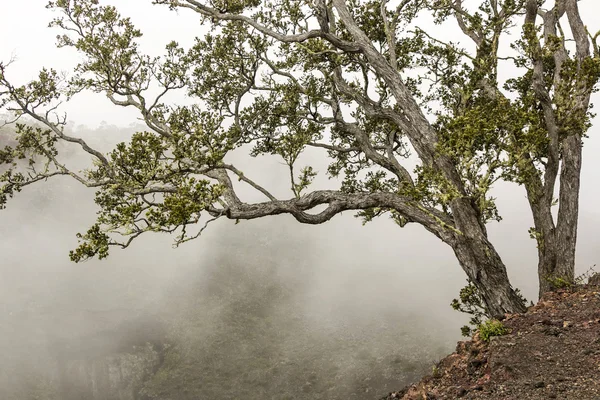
x=264, y=309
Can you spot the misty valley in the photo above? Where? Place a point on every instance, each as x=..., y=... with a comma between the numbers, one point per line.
x=258, y=311
x=255, y=343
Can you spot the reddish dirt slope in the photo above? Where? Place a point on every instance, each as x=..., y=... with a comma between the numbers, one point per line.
x=551, y=352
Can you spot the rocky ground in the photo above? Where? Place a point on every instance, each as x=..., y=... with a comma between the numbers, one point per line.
x=551, y=352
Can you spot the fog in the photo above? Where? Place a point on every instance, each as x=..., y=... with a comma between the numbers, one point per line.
x=265, y=309
x=332, y=311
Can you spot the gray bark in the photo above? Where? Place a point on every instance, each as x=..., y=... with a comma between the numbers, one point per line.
x=487, y=272
x=557, y=242
x=482, y=263
x=469, y=241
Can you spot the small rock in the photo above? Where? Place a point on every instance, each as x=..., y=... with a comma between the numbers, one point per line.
x=552, y=331
x=539, y=384
x=567, y=324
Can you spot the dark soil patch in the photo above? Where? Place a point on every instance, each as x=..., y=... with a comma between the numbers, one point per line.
x=551, y=352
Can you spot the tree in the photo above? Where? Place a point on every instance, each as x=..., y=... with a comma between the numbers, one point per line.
x=358, y=79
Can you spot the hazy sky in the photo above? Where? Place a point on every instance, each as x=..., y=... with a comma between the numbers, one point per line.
x=25, y=34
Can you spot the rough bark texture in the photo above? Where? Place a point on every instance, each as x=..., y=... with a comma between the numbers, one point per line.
x=482, y=264
x=485, y=269
x=568, y=213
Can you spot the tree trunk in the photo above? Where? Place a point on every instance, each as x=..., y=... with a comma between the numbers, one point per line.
x=556, y=256
x=547, y=262
x=568, y=211
x=482, y=263
x=485, y=269
x=545, y=236
x=556, y=243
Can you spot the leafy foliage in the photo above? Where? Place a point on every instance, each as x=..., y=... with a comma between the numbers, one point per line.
x=562, y=283
x=470, y=302
x=492, y=328
x=559, y=282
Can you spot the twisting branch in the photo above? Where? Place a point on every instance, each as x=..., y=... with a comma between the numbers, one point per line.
x=550, y=19
x=390, y=31
x=241, y=176
x=297, y=38
x=435, y=221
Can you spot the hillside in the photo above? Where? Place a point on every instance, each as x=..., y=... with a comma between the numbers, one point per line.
x=550, y=352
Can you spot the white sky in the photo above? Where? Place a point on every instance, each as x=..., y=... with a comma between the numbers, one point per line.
x=25, y=34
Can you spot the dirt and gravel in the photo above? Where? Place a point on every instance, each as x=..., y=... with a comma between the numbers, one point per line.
x=551, y=352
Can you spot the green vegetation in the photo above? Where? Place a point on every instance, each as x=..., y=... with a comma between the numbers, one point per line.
x=565, y=283
x=491, y=328
x=470, y=302
x=557, y=282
